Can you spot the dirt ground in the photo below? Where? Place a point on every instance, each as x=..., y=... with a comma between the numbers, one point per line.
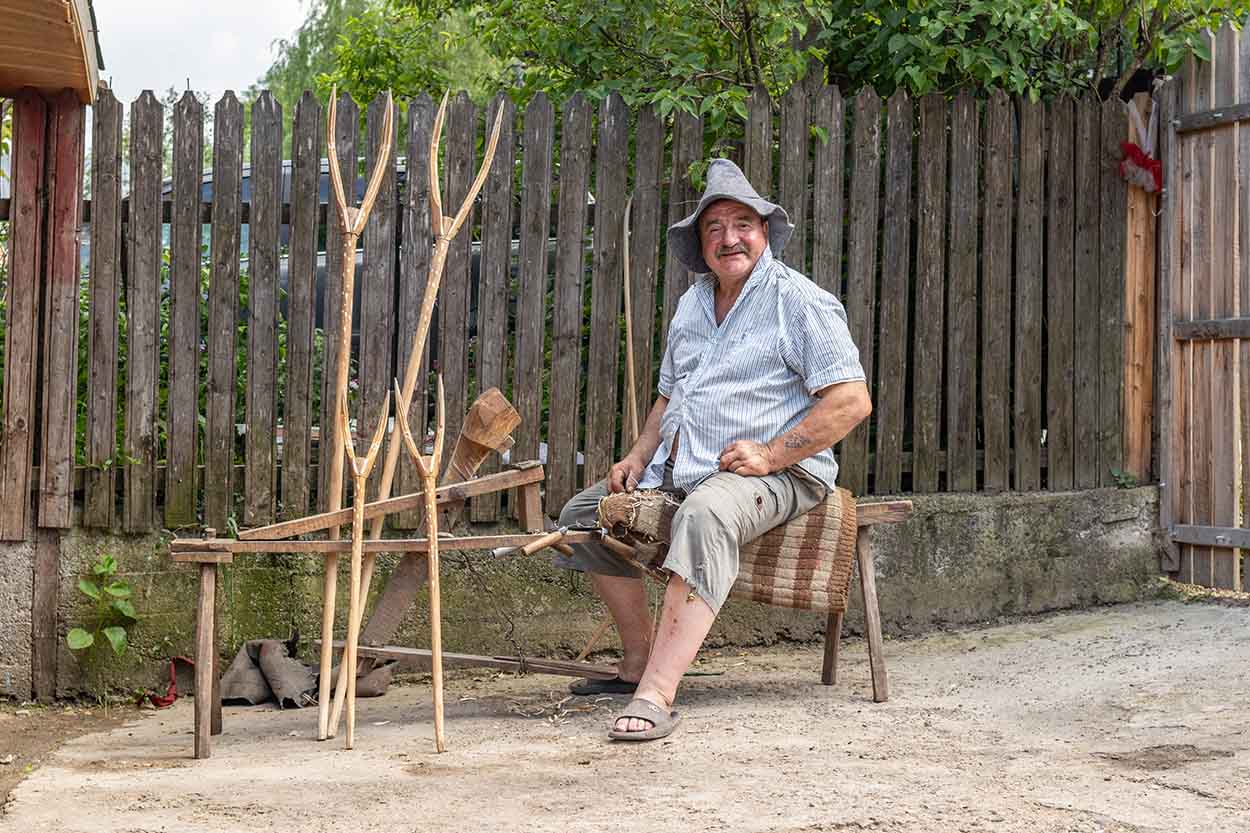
x=1132, y=718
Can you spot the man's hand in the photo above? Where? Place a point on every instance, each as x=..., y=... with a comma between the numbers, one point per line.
x=623, y=477
x=747, y=458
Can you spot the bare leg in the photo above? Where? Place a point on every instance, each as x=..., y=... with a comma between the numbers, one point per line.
x=626, y=598
x=684, y=622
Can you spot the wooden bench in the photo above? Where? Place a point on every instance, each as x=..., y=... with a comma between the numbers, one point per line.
x=209, y=552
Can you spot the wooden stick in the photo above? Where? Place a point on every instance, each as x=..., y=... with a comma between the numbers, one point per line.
x=594, y=638
x=223, y=550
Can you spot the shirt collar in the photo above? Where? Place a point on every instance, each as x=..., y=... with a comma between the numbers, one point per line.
x=707, y=287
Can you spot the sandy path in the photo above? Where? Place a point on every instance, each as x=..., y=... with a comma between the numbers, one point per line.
x=1131, y=718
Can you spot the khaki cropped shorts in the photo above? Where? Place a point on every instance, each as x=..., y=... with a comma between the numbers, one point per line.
x=721, y=514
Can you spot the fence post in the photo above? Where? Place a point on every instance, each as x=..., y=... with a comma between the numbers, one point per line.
x=1139, y=306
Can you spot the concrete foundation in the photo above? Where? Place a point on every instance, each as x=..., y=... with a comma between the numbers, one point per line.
x=962, y=558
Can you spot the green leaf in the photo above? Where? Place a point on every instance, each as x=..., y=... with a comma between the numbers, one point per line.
x=118, y=589
x=77, y=639
x=117, y=638
x=125, y=608
x=89, y=587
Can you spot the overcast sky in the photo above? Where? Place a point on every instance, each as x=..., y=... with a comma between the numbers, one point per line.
x=218, y=44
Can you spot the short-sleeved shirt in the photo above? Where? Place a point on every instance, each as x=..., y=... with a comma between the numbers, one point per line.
x=754, y=376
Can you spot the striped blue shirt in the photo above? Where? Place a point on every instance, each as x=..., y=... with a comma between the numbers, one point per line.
x=754, y=376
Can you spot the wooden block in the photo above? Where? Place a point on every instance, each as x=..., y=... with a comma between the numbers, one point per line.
x=203, y=557
x=883, y=512
x=530, y=509
x=205, y=649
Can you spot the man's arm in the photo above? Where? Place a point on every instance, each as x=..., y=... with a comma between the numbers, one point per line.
x=625, y=474
x=838, y=409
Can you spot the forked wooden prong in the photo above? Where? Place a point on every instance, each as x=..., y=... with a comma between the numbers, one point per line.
x=480, y=179
x=345, y=425
x=332, y=156
x=379, y=168
x=440, y=428
x=375, y=444
x=414, y=452
x=436, y=197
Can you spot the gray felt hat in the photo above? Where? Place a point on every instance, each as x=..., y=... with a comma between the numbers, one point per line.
x=725, y=180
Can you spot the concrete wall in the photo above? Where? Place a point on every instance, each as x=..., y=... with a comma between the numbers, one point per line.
x=961, y=559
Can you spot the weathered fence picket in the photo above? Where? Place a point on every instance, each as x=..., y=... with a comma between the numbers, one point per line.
x=1060, y=299
x=996, y=298
x=961, y=299
x=930, y=290
x=1027, y=390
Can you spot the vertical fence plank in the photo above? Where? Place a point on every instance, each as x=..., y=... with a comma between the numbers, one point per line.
x=495, y=276
x=827, y=180
x=1140, y=277
x=1029, y=306
x=143, y=260
x=682, y=199
x=795, y=194
x=346, y=134
x=996, y=298
x=566, y=315
x=61, y=305
x=644, y=253
x=1085, y=331
x=301, y=308
x=611, y=168
x=758, y=151
x=1243, y=309
x=930, y=291
x=531, y=305
x=377, y=289
x=454, y=293
x=861, y=257
x=1111, y=236
x=1203, y=192
x=184, y=317
x=105, y=284
x=895, y=277
x=1060, y=297
x=223, y=297
x=961, y=300
x=21, y=332
x=1171, y=442
x=260, y=463
x=1183, y=304
x=414, y=266
x=1224, y=174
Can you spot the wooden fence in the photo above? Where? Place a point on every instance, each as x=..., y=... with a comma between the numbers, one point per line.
x=979, y=245
x=1204, y=328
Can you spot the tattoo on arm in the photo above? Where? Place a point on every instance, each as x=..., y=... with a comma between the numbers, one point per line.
x=796, y=439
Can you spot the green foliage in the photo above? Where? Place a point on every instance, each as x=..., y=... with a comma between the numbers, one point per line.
x=112, y=614
x=309, y=53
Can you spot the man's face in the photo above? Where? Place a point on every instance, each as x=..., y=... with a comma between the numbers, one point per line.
x=733, y=237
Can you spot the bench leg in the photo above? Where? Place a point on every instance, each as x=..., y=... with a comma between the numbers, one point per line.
x=205, y=648
x=833, y=636
x=872, y=617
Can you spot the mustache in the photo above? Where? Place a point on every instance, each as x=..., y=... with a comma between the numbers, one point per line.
x=730, y=250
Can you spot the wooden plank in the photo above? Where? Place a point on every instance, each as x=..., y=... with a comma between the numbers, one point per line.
x=377, y=290
x=261, y=409
x=61, y=302
x=889, y=403
x=1139, y=310
x=1202, y=242
x=1210, y=329
x=143, y=262
x=1085, y=369
x=1029, y=303
x=883, y=512
x=603, y=352
x=301, y=308
x=930, y=293
x=566, y=314
x=223, y=295
x=1210, y=119
x=1225, y=566
x=495, y=277
x=1111, y=236
x=644, y=253
x=795, y=194
x=444, y=494
x=1225, y=537
x=531, y=303
x=185, y=232
x=530, y=508
x=99, y=487
x=201, y=557
x=328, y=546
x=757, y=162
x=419, y=658
x=682, y=199
x=205, y=660
x=455, y=290
x=45, y=642
x=346, y=135
x=861, y=258
x=872, y=618
x=414, y=266
x=827, y=180
x=21, y=334
x=996, y=296
x=1060, y=296
x=1182, y=304
x=1243, y=297
x=1170, y=441
x=961, y=299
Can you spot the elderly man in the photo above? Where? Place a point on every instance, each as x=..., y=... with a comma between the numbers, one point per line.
x=760, y=378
